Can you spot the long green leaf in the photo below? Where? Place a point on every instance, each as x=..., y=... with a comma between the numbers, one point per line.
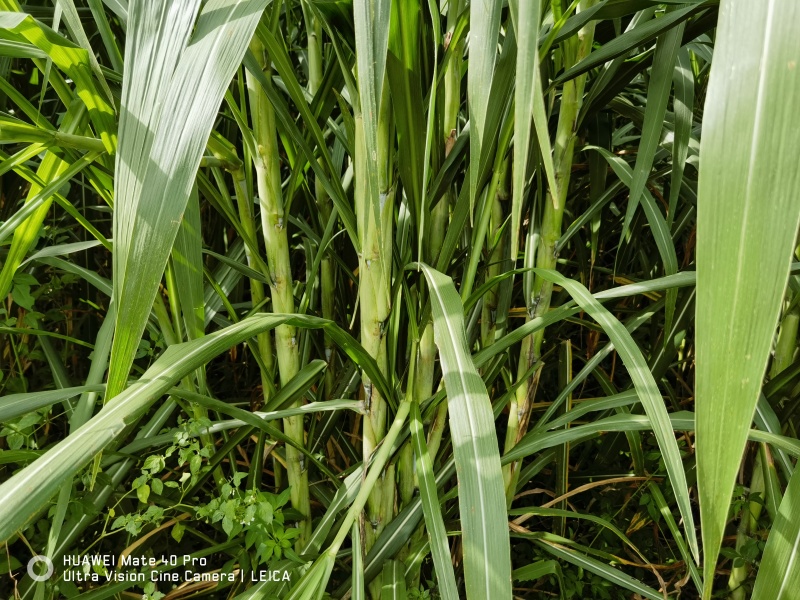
x=75, y=28
x=666, y=54
x=536, y=441
x=403, y=70
x=683, y=107
x=358, y=565
x=484, y=21
x=632, y=39
x=371, y=19
x=528, y=103
x=437, y=533
x=646, y=388
x=487, y=552
x=73, y=60
x=539, y=569
x=15, y=405
x=394, y=582
x=41, y=197
x=602, y=569
x=160, y=150
x=30, y=489
x=747, y=220
x=658, y=224
x=779, y=576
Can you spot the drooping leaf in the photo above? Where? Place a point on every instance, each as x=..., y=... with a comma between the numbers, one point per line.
x=27, y=491
x=646, y=388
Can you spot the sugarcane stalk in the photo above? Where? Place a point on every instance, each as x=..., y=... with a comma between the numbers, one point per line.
x=276, y=241
x=244, y=204
x=223, y=150
x=375, y=303
x=257, y=291
x=786, y=345
x=574, y=49
x=748, y=523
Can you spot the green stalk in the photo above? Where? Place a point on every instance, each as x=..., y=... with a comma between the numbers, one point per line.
x=375, y=302
x=574, y=50
x=787, y=337
x=223, y=150
x=375, y=478
x=276, y=241
x=244, y=203
x=257, y=293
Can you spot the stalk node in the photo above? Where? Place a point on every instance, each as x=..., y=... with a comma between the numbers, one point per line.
x=368, y=396
x=534, y=305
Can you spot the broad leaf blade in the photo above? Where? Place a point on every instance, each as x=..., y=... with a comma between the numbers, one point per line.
x=152, y=194
x=747, y=219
